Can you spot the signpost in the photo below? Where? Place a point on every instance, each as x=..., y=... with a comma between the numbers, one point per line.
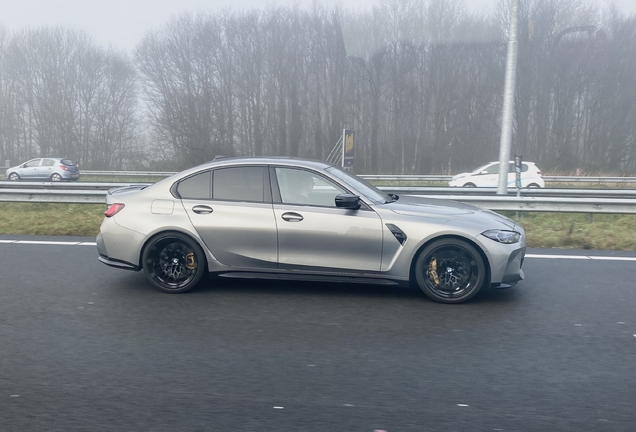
x=347, y=149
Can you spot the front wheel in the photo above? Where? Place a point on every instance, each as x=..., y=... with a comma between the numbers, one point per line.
x=14, y=177
x=469, y=185
x=173, y=262
x=450, y=271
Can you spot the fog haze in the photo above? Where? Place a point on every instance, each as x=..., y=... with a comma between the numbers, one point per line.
x=121, y=24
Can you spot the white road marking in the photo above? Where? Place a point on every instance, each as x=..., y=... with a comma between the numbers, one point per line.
x=53, y=243
x=582, y=257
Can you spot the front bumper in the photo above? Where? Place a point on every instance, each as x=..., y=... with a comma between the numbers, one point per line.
x=512, y=272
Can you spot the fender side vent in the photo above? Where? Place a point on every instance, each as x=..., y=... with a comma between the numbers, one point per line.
x=400, y=236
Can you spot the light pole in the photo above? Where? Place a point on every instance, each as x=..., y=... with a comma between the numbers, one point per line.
x=509, y=100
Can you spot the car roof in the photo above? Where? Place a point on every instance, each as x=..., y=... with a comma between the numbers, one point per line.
x=260, y=160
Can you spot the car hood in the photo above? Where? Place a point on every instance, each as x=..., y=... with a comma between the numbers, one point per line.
x=432, y=207
x=460, y=175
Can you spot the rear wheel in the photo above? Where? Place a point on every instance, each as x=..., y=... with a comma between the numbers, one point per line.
x=173, y=262
x=469, y=185
x=56, y=177
x=533, y=186
x=450, y=271
x=14, y=177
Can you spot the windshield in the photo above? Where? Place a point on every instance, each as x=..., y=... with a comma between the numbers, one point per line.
x=366, y=189
x=481, y=168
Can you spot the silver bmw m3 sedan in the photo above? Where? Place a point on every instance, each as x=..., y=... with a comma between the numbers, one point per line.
x=304, y=220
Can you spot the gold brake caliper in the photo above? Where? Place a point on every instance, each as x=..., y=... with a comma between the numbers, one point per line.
x=432, y=271
x=190, y=262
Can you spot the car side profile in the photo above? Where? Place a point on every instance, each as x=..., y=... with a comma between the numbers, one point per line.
x=307, y=220
x=488, y=176
x=52, y=169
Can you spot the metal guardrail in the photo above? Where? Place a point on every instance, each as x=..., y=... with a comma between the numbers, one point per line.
x=400, y=178
x=410, y=190
x=58, y=192
x=54, y=196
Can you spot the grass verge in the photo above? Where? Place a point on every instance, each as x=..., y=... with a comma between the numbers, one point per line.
x=543, y=230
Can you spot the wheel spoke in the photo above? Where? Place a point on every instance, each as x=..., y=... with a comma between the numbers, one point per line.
x=451, y=272
x=172, y=264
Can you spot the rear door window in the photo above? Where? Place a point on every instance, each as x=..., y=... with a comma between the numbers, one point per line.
x=239, y=184
x=197, y=186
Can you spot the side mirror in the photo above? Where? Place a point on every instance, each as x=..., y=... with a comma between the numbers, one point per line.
x=348, y=201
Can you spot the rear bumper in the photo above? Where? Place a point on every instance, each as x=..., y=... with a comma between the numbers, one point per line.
x=117, y=264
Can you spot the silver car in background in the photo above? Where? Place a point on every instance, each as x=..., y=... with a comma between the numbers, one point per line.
x=304, y=220
x=53, y=169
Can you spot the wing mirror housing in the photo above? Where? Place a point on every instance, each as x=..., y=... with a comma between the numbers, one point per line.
x=348, y=201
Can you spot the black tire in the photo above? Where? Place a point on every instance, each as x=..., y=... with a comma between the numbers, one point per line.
x=173, y=262
x=533, y=186
x=469, y=185
x=450, y=271
x=14, y=177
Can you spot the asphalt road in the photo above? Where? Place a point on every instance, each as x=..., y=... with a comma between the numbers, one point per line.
x=84, y=347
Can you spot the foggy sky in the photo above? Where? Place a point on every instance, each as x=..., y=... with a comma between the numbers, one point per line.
x=122, y=23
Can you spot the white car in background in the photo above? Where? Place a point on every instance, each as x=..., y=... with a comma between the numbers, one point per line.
x=488, y=176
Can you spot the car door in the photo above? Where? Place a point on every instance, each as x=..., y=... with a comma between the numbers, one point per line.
x=489, y=177
x=46, y=169
x=313, y=234
x=29, y=171
x=231, y=209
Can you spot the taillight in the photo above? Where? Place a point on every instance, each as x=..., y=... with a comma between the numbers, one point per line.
x=63, y=167
x=540, y=173
x=113, y=209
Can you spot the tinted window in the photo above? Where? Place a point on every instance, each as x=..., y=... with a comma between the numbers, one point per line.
x=493, y=169
x=195, y=187
x=239, y=184
x=512, y=168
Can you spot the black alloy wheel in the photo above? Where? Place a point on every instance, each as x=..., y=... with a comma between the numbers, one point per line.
x=450, y=271
x=173, y=262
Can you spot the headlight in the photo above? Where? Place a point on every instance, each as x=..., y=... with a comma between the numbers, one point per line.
x=502, y=236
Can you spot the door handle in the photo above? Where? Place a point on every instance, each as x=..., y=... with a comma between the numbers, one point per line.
x=202, y=209
x=292, y=217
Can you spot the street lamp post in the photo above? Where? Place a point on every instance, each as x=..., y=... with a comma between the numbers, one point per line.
x=509, y=100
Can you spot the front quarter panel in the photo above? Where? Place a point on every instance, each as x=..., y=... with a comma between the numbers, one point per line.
x=502, y=259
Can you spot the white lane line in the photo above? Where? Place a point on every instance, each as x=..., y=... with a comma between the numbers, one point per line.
x=56, y=243
x=582, y=257
x=47, y=243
